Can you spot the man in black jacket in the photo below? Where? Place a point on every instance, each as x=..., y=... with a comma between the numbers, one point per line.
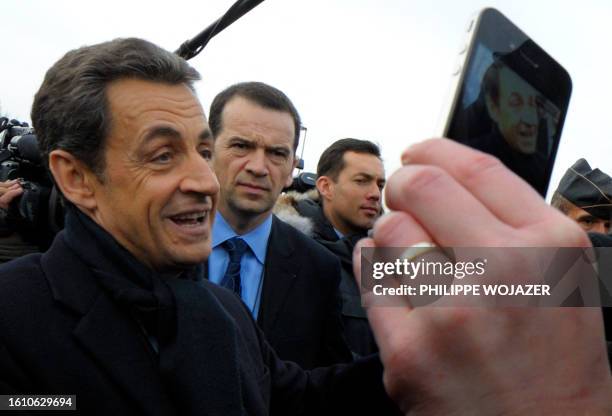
x=344, y=206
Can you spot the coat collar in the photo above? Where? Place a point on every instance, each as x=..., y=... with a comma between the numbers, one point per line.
x=118, y=349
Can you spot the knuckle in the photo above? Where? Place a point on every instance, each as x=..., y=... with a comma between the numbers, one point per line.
x=478, y=167
x=424, y=177
x=414, y=182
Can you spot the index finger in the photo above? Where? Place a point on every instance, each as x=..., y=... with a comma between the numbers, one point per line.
x=485, y=177
x=8, y=196
x=8, y=184
x=395, y=229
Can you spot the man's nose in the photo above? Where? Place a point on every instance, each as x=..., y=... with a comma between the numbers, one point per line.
x=529, y=115
x=600, y=227
x=199, y=177
x=374, y=193
x=257, y=163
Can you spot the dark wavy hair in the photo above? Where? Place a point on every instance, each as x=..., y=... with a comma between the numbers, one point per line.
x=71, y=110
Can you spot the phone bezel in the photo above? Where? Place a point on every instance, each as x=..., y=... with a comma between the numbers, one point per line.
x=497, y=33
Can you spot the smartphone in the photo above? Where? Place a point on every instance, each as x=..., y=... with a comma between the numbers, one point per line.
x=508, y=98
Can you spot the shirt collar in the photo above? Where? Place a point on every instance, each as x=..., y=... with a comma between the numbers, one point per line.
x=338, y=233
x=257, y=238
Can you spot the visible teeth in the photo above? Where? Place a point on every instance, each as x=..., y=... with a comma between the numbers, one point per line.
x=188, y=217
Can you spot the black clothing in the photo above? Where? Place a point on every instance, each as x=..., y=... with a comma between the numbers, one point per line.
x=357, y=329
x=605, y=272
x=588, y=189
x=84, y=319
x=15, y=241
x=322, y=229
x=13, y=245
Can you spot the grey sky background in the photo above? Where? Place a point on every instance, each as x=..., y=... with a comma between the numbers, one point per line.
x=371, y=69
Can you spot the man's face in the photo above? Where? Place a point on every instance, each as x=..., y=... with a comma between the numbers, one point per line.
x=354, y=199
x=158, y=193
x=516, y=114
x=588, y=222
x=253, y=159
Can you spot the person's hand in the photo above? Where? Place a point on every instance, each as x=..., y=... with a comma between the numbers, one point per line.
x=9, y=190
x=490, y=361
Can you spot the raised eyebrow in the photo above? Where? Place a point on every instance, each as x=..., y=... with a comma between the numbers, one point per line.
x=161, y=131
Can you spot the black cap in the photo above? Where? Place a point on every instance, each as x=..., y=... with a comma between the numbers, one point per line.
x=589, y=189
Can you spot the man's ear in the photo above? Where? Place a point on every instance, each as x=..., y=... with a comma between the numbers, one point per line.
x=325, y=186
x=492, y=108
x=73, y=178
x=289, y=179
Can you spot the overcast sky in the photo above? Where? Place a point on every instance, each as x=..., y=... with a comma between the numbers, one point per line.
x=371, y=69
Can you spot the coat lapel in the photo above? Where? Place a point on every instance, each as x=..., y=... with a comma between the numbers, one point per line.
x=121, y=351
x=114, y=343
x=206, y=374
x=279, y=275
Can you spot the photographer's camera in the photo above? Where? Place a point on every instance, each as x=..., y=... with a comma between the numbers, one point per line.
x=37, y=214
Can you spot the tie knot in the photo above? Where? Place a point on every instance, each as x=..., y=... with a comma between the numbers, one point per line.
x=235, y=247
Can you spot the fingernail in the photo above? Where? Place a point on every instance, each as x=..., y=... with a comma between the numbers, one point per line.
x=407, y=155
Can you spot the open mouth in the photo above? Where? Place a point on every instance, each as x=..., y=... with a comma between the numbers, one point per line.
x=193, y=219
x=526, y=131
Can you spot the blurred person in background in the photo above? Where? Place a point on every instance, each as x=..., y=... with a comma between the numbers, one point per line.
x=585, y=195
x=13, y=244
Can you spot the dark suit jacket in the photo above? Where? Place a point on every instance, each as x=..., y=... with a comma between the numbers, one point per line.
x=300, y=302
x=60, y=333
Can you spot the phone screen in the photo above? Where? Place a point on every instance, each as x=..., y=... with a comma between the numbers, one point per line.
x=508, y=105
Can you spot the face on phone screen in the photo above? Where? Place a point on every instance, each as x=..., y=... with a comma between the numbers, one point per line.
x=500, y=112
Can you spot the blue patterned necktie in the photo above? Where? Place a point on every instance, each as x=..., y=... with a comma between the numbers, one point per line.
x=235, y=247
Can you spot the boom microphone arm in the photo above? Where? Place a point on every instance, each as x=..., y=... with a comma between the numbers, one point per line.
x=191, y=48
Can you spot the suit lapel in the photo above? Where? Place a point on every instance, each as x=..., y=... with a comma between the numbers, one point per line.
x=279, y=274
x=113, y=342
x=205, y=270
